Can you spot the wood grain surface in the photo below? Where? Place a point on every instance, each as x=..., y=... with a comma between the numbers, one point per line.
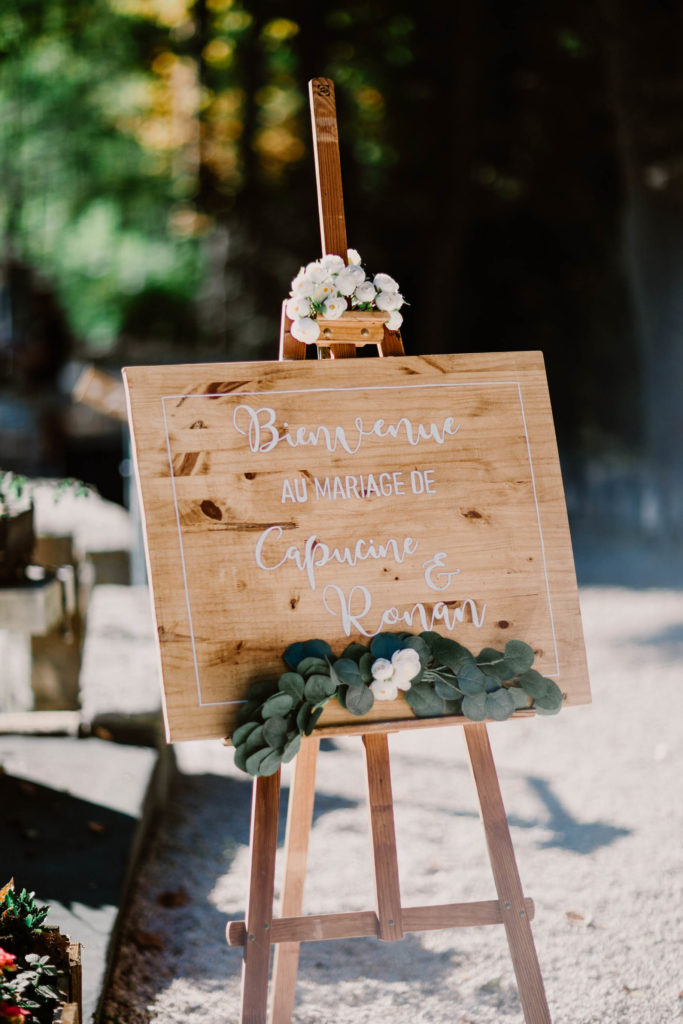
x=256, y=478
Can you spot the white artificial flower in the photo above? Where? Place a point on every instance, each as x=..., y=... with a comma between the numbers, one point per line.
x=384, y=689
x=389, y=301
x=297, y=307
x=395, y=320
x=304, y=329
x=334, y=307
x=357, y=273
x=365, y=292
x=299, y=282
x=346, y=281
x=382, y=669
x=323, y=291
x=316, y=272
x=388, y=677
x=332, y=264
x=384, y=283
x=353, y=257
x=406, y=665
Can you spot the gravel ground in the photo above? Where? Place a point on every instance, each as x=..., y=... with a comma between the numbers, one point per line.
x=596, y=815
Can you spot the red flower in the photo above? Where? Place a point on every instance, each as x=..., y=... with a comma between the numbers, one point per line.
x=13, y=1014
x=7, y=961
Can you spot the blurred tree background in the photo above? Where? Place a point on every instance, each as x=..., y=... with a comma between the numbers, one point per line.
x=517, y=167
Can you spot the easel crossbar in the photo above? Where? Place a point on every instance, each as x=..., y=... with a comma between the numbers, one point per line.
x=318, y=927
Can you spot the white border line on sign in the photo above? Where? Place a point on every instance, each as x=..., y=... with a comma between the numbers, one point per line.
x=371, y=387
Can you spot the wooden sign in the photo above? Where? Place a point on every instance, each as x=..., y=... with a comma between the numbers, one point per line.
x=339, y=499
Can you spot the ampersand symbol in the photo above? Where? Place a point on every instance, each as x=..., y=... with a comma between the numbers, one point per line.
x=430, y=567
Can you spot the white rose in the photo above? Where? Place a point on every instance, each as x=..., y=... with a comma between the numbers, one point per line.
x=389, y=301
x=346, y=281
x=365, y=292
x=323, y=291
x=332, y=264
x=297, y=306
x=316, y=272
x=299, y=281
x=357, y=274
x=395, y=320
x=353, y=257
x=304, y=329
x=406, y=665
x=334, y=307
x=381, y=669
x=384, y=689
x=384, y=283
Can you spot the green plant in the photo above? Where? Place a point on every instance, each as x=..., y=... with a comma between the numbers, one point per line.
x=21, y=918
x=28, y=979
x=16, y=490
x=437, y=675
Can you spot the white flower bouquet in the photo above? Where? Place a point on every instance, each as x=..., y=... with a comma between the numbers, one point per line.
x=328, y=287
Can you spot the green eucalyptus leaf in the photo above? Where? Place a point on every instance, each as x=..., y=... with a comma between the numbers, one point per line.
x=291, y=683
x=240, y=734
x=262, y=690
x=449, y=691
x=312, y=720
x=365, y=667
x=471, y=679
x=311, y=665
x=254, y=761
x=384, y=645
x=492, y=684
x=291, y=749
x=551, y=699
x=449, y=652
x=518, y=656
x=275, y=732
x=319, y=687
x=359, y=699
x=277, y=705
x=499, y=705
x=302, y=716
x=492, y=663
x=474, y=707
x=318, y=649
x=254, y=741
x=247, y=711
x=241, y=758
x=544, y=711
x=293, y=654
x=424, y=702
x=355, y=652
x=452, y=707
x=533, y=683
x=270, y=764
x=346, y=672
x=520, y=698
x=417, y=643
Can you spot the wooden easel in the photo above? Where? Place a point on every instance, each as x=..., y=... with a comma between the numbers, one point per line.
x=390, y=920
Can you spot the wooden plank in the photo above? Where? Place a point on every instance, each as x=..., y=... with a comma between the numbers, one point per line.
x=299, y=821
x=381, y=807
x=493, y=504
x=506, y=876
x=327, y=167
x=320, y=927
x=263, y=846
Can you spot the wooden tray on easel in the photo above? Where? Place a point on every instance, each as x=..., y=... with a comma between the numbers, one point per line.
x=212, y=446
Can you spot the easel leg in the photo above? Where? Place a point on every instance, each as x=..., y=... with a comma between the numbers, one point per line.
x=263, y=844
x=506, y=876
x=381, y=806
x=299, y=821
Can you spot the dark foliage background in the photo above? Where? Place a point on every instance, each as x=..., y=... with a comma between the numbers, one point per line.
x=517, y=167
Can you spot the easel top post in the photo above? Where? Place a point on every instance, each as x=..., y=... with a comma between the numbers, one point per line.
x=327, y=167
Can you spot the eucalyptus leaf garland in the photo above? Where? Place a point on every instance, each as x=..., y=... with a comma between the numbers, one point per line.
x=450, y=681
